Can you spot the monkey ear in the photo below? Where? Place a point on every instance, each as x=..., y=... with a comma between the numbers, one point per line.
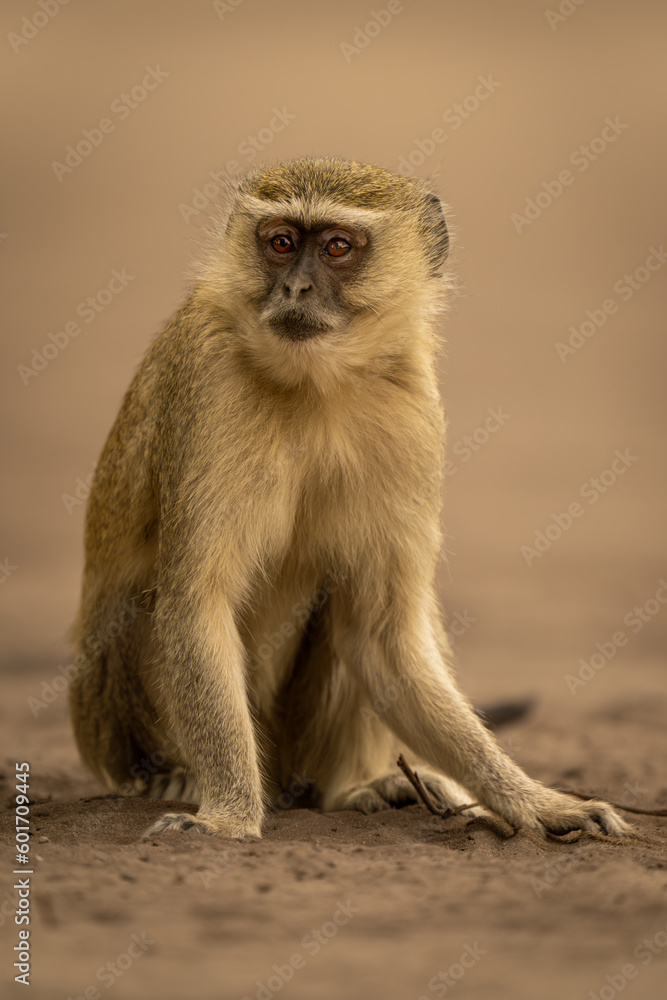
x=435, y=231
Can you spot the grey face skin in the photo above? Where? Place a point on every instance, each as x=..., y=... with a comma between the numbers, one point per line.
x=306, y=271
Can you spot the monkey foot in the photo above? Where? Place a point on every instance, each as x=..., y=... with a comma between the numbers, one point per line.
x=186, y=821
x=395, y=791
x=176, y=785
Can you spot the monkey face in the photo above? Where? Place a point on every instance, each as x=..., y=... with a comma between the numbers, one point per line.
x=324, y=268
x=307, y=271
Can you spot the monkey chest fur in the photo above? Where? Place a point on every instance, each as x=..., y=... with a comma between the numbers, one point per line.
x=350, y=500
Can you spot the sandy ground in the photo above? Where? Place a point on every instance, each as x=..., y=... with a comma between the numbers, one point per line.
x=398, y=899
x=351, y=906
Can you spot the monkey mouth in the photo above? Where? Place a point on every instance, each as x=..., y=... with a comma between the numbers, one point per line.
x=291, y=324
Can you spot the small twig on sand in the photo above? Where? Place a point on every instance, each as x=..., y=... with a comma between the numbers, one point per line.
x=418, y=786
x=616, y=805
x=425, y=795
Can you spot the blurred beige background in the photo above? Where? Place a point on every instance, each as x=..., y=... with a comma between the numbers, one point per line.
x=508, y=107
x=532, y=86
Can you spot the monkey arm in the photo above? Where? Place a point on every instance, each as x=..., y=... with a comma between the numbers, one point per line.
x=209, y=550
x=435, y=720
x=203, y=698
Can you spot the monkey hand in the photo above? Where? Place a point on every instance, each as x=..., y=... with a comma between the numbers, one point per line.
x=211, y=825
x=557, y=813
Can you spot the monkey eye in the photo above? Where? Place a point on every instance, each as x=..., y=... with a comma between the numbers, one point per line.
x=283, y=243
x=337, y=247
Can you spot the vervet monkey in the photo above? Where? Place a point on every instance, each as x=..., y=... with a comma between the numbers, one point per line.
x=269, y=497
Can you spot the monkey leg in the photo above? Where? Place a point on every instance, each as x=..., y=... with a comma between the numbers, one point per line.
x=438, y=724
x=116, y=724
x=112, y=716
x=393, y=790
x=333, y=738
x=173, y=783
x=327, y=738
x=348, y=754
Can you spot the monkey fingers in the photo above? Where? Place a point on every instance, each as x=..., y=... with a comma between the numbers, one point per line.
x=565, y=813
x=198, y=824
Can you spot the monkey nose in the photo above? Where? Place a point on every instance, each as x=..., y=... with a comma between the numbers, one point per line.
x=297, y=287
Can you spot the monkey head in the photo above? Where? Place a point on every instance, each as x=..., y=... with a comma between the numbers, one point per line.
x=326, y=266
